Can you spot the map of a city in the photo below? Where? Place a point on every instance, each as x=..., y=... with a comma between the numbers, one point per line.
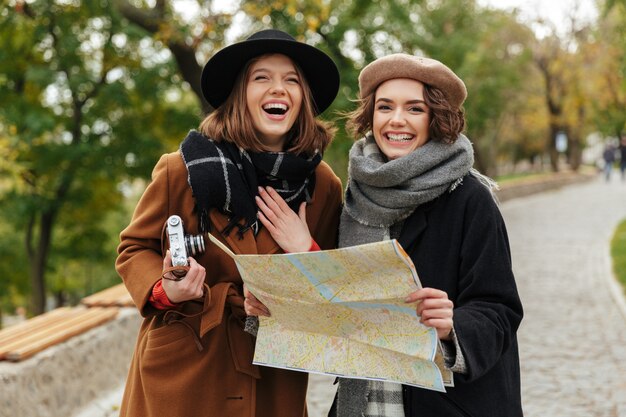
x=342, y=312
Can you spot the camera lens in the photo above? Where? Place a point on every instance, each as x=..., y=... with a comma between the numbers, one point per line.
x=194, y=244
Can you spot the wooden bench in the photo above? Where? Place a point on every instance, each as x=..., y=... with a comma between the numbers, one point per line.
x=23, y=340
x=115, y=296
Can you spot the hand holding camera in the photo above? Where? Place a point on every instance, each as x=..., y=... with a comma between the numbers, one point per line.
x=179, y=263
x=190, y=288
x=182, y=246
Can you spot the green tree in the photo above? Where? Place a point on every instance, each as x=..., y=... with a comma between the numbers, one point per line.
x=86, y=102
x=565, y=61
x=190, y=39
x=609, y=63
x=488, y=49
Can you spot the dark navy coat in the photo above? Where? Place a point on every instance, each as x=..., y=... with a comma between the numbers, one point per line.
x=459, y=244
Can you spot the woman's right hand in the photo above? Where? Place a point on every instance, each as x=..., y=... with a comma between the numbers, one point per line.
x=288, y=228
x=189, y=288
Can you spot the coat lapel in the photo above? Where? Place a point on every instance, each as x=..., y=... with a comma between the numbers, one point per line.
x=262, y=244
x=412, y=229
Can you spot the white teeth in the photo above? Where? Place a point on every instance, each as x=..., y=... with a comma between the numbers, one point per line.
x=400, y=137
x=280, y=106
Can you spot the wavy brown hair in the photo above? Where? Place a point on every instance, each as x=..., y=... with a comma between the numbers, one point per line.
x=446, y=122
x=232, y=122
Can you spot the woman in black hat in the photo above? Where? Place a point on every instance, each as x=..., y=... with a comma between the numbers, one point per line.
x=193, y=357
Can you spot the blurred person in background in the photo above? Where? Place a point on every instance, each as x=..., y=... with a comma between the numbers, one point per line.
x=608, y=155
x=622, y=157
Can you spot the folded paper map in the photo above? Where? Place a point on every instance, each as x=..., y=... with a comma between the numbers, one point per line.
x=342, y=312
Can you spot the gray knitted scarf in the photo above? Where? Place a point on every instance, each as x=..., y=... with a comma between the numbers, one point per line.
x=381, y=193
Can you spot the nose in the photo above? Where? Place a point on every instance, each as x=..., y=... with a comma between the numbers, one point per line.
x=277, y=88
x=397, y=118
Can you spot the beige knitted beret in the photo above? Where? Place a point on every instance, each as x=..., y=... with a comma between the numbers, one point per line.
x=429, y=71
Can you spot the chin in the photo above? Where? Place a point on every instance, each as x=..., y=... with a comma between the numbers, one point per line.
x=394, y=154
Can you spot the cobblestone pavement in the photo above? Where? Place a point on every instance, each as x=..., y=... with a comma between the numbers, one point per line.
x=573, y=337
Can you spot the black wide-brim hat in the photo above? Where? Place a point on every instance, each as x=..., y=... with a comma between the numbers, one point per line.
x=220, y=73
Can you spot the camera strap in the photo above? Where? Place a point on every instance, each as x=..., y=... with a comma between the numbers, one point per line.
x=177, y=316
x=179, y=272
x=163, y=238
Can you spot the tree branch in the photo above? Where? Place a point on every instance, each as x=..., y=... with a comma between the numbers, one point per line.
x=151, y=20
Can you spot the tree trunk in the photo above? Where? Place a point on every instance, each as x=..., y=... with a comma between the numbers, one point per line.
x=479, y=160
x=39, y=260
x=554, y=154
x=575, y=152
x=37, y=280
x=59, y=299
x=184, y=55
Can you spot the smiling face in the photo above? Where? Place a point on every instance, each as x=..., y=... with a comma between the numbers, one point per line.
x=273, y=99
x=401, y=117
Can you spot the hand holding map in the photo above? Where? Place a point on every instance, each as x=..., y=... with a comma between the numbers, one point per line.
x=342, y=312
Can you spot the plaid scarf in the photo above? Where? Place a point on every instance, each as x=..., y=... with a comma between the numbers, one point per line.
x=226, y=177
x=368, y=398
x=384, y=400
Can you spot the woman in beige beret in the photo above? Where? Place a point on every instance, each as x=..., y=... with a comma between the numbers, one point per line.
x=411, y=178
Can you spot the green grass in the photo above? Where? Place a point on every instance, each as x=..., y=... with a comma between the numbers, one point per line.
x=539, y=175
x=618, y=253
x=521, y=176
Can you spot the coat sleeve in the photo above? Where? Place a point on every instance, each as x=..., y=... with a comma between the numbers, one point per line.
x=139, y=261
x=488, y=310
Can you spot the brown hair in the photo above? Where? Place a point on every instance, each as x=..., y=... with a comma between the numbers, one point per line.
x=231, y=121
x=446, y=122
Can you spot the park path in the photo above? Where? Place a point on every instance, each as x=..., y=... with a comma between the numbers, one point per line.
x=573, y=337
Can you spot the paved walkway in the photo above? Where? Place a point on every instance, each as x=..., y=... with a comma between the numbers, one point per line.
x=573, y=337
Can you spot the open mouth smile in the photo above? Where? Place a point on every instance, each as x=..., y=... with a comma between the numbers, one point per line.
x=399, y=137
x=275, y=109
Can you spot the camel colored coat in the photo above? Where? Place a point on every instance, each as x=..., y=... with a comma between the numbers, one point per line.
x=196, y=360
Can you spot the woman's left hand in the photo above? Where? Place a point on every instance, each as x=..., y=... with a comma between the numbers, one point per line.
x=434, y=309
x=253, y=306
x=288, y=229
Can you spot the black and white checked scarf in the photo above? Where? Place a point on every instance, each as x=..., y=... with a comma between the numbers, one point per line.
x=368, y=398
x=225, y=177
x=384, y=400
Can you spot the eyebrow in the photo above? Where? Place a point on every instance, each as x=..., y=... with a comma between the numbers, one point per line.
x=290, y=72
x=388, y=100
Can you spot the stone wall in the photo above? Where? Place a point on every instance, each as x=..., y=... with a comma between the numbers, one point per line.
x=528, y=186
x=69, y=376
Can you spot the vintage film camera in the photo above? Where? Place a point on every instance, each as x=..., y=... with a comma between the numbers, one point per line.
x=182, y=246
